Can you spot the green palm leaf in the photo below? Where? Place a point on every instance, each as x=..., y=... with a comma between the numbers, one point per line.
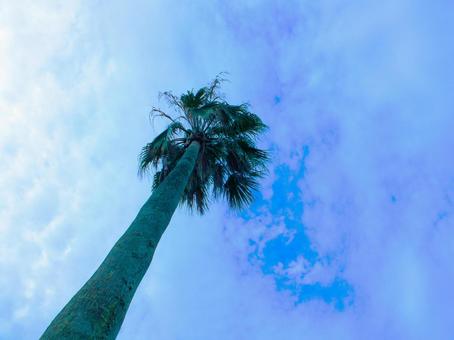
x=229, y=163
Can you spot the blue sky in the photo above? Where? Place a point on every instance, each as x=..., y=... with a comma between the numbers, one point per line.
x=351, y=235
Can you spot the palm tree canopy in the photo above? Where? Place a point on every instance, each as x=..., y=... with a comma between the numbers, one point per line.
x=229, y=164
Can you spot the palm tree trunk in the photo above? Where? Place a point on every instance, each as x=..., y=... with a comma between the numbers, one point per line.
x=99, y=307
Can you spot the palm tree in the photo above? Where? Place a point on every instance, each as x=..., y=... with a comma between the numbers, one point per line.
x=209, y=146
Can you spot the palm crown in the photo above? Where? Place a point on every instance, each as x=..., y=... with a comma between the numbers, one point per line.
x=229, y=164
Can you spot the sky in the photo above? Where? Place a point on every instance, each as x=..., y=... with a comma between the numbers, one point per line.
x=351, y=234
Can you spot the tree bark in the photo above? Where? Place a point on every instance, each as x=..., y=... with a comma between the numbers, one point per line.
x=99, y=307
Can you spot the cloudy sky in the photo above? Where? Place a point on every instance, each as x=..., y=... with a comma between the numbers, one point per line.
x=351, y=236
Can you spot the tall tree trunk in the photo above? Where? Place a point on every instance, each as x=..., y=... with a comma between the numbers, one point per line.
x=99, y=307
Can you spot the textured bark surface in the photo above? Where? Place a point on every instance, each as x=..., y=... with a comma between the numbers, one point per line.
x=99, y=307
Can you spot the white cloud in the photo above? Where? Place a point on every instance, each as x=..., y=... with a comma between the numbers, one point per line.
x=42, y=158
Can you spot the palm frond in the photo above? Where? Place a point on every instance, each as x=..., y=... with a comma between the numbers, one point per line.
x=196, y=193
x=237, y=121
x=238, y=189
x=256, y=157
x=189, y=100
x=171, y=99
x=218, y=179
x=204, y=111
x=229, y=163
x=159, y=148
x=212, y=90
x=247, y=124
